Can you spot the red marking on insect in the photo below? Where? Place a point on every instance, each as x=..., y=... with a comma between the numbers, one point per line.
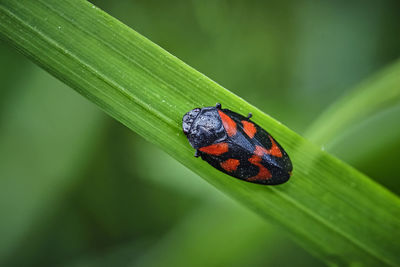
x=230, y=165
x=216, y=149
x=249, y=128
x=263, y=173
x=274, y=150
x=229, y=124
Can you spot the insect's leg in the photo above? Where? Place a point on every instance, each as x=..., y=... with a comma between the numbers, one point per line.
x=218, y=106
x=196, y=154
x=250, y=115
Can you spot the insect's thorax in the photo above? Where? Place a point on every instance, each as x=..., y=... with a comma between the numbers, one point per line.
x=207, y=129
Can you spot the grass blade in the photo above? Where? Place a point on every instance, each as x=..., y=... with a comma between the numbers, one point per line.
x=330, y=208
x=380, y=92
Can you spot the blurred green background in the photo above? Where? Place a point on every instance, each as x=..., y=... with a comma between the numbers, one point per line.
x=79, y=189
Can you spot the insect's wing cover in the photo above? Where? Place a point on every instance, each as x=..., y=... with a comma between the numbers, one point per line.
x=262, y=151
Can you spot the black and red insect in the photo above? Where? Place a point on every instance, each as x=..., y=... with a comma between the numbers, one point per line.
x=236, y=146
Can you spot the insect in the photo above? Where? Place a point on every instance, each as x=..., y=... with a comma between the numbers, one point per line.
x=236, y=146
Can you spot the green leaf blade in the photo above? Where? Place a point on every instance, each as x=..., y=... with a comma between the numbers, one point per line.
x=380, y=92
x=332, y=209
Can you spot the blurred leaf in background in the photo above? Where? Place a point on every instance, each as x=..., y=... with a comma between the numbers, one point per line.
x=78, y=189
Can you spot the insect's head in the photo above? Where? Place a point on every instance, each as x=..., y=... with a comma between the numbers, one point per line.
x=188, y=119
